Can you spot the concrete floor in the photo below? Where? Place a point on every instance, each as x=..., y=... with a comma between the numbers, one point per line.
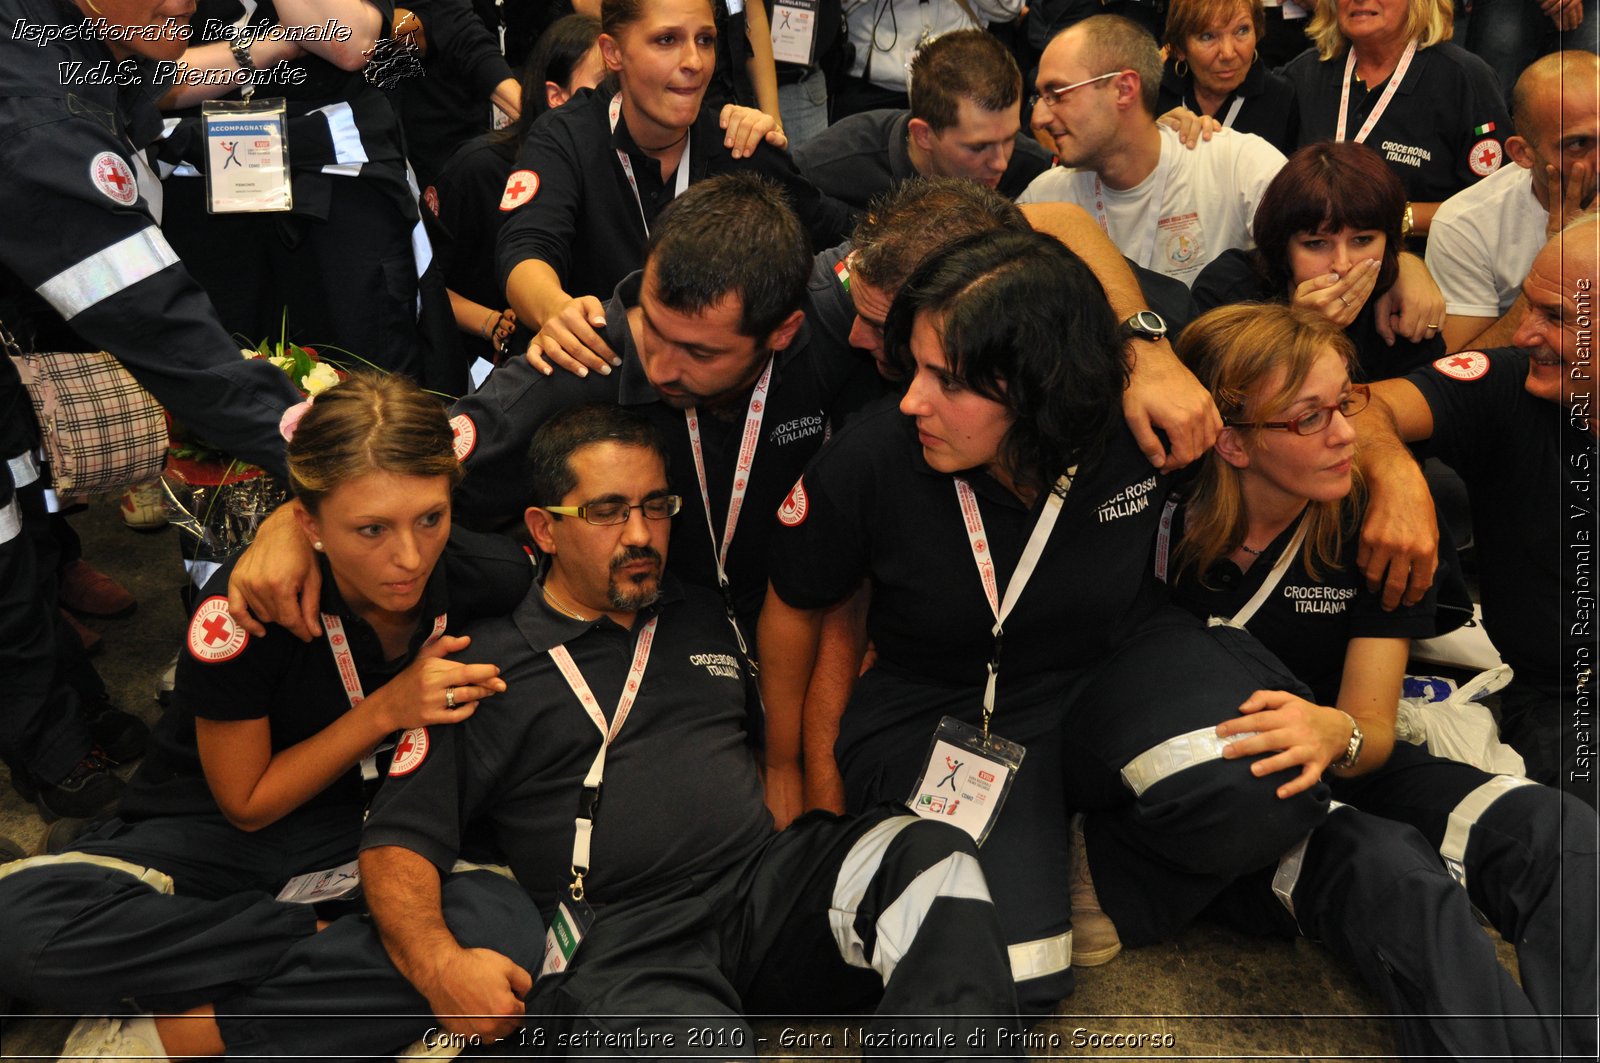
x=1217, y=994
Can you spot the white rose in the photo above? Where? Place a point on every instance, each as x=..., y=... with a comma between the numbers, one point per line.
x=282, y=361
x=248, y=353
x=320, y=379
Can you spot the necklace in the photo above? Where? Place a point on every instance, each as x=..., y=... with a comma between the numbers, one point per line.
x=561, y=608
x=665, y=147
x=1252, y=551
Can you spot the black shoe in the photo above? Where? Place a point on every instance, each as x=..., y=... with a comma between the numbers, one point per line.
x=89, y=790
x=10, y=850
x=121, y=736
x=60, y=835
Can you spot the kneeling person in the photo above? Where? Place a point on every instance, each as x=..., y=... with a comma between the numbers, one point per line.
x=673, y=845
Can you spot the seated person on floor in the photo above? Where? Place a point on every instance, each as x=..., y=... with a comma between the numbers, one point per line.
x=684, y=906
x=260, y=770
x=1519, y=426
x=965, y=121
x=1265, y=540
x=1484, y=237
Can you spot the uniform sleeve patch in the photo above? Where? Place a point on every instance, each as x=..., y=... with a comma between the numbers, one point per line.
x=841, y=270
x=113, y=176
x=409, y=752
x=213, y=635
x=430, y=196
x=793, y=512
x=466, y=436
x=520, y=188
x=1463, y=365
x=1485, y=157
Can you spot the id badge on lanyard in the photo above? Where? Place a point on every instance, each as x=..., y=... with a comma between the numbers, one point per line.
x=794, y=31
x=969, y=770
x=247, y=156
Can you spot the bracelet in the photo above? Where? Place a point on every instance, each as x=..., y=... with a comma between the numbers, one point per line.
x=1407, y=221
x=487, y=331
x=241, y=51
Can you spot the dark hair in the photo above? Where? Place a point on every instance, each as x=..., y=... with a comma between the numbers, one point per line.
x=1027, y=325
x=369, y=422
x=731, y=235
x=549, y=472
x=918, y=217
x=618, y=15
x=1111, y=42
x=967, y=64
x=560, y=48
x=1190, y=18
x=1325, y=187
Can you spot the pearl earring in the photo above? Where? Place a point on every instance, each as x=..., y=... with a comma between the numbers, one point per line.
x=316, y=545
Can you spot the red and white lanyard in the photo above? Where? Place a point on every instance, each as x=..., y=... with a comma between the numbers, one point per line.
x=1163, y=173
x=608, y=734
x=1383, y=101
x=627, y=165
x=741, y=484
x=1031, y=552
x=344, y=661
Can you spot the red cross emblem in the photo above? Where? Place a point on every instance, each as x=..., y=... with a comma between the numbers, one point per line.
x=1485, y=157
x=213, y=636
x=792, y=513
x=464, y=436
x=409, y=752
x=111, y=175
x=520, y=187
x=1466, y=366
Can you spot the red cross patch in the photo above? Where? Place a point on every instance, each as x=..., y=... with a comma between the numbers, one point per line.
x=430, y=196
x=793, y=512
x=1485, y=156
x=213, y=636
x=409, y=752
x=1463, y=365
x=466, y=436
x=520, y=187
x=111, y=175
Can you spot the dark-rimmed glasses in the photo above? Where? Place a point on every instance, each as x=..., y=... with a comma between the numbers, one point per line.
x=1313, y=421
x=660, y=507
x=1051, y=97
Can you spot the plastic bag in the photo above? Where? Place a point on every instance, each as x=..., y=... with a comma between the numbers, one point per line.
x=1451, y=722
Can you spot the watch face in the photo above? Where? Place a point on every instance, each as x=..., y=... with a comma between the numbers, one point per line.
x=1147, y=323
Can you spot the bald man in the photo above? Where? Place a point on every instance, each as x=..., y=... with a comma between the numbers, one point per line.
x=1484, y=238
x=1519, y=425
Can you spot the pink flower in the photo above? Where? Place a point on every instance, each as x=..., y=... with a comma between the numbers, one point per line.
x=291, y=419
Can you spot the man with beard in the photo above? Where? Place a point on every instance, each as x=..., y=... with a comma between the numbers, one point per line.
x=700, y=911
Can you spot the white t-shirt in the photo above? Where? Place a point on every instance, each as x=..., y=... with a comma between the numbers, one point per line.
x=1483, y=240
x=1192, y=207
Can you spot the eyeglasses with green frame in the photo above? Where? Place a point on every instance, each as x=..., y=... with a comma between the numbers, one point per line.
x=1313, y=421
x=659, y=507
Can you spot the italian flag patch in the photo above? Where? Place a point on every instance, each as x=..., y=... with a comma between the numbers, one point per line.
x=842, y=271
x=1483, y=130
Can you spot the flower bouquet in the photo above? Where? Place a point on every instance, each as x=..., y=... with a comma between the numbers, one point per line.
x=217, y=499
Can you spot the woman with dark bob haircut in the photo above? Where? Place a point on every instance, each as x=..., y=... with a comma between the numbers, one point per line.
x=1005, y=506
x=1327, y=235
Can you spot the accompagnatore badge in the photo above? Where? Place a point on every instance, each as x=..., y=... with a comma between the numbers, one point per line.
x=967, y=779
x=247, y=156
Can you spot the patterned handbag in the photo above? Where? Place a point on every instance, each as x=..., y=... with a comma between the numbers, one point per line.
x=101, y=430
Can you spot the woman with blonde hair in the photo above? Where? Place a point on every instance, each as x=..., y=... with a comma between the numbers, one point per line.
x=1265, y=539
x=1214, y=67
x=260, y=771
x=1385, y=74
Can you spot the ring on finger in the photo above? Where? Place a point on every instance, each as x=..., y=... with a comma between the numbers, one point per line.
x=1344, y=300
x=450, y=697
x=1433, y=328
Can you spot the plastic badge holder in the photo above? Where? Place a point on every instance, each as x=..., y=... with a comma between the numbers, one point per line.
x=247, y=156
x=968, y=777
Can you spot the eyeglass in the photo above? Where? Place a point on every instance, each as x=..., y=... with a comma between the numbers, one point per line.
x=1055, y=96
x=1313, y=421
x=660, y=507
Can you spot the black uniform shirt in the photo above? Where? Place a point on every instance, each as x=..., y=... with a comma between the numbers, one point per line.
x=1517, y=455
x=1232, y=278
x=871, y=506
x=225, y=674
x=1268, y=109
x=582, y=218
x=1306, y=622
x=811, y=387
x=448, y=103
x=862, y=156
x=80, y=243
x=680, y=799
x=463, y=220
x=1444, y=128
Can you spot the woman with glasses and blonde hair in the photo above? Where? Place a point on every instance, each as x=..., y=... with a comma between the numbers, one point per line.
x=1265, y=539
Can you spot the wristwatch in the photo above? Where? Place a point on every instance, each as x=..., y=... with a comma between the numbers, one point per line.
x=1146, y=325
x=1352, y=752
x=240, y=44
